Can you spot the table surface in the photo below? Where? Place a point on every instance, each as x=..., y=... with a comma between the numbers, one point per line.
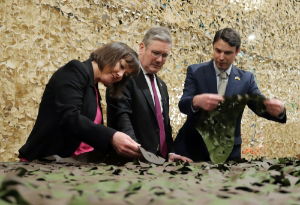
x=275, y=181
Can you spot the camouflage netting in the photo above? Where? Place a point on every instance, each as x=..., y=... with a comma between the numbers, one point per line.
x=38, y=36
x=255, y=182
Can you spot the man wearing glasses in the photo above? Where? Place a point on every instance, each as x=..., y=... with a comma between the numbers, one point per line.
x=143, y=110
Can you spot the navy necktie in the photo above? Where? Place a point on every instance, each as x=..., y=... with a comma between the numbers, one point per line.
x=160, y=120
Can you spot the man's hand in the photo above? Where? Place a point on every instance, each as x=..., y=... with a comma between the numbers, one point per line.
x=124, y=145
x=207, y=102
x=274, y=107
x=175, y=157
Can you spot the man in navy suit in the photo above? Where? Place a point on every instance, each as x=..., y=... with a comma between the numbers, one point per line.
x=204, y=88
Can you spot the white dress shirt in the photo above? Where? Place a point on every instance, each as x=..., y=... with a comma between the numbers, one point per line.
x=150, y=88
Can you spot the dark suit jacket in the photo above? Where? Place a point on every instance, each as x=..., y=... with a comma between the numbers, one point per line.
x=134, y=113
x=201, y=78
x=66, y=115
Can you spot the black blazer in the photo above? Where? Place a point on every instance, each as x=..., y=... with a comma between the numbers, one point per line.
x=66, y=114
x=134, y=113
x=201, y=78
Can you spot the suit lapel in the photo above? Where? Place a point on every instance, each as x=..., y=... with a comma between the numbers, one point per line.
x=233, y=82
x=211, y=79
x=142, y=84
x=163, y=95
x=89, y=67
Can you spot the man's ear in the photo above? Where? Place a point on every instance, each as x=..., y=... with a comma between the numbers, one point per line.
x=238, y=50
x=142, y=48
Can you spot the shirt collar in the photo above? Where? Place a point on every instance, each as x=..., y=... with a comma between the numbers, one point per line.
x=218, y=70
x=145, y=72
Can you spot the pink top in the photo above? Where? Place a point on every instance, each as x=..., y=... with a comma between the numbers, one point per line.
x=83, y=147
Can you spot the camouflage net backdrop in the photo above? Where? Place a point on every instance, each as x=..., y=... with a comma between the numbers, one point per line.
x=39, y=36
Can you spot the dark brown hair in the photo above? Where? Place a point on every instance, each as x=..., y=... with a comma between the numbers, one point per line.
x=110, y=54
x=230, y=36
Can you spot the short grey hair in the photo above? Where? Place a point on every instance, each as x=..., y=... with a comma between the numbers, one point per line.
x=157, y=33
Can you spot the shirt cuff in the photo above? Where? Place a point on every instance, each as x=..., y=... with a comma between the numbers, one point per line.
x=194, y=109
x=281, y=115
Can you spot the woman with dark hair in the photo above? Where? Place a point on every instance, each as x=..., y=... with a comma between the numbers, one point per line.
x=69, y=121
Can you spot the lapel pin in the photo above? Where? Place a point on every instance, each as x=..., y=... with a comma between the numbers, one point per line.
x=237, y=78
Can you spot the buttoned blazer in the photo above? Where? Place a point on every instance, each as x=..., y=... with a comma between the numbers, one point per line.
x=201, y=78
x=66, y=114
x=134, y=113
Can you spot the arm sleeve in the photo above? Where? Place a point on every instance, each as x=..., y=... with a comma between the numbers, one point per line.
x=253, y=89
x=119, y=111
x=189, y=91
x=70, y=89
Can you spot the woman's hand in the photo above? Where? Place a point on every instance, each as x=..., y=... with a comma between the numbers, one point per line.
x=124, y=145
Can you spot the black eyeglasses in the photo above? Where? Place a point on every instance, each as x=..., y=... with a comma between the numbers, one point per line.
x=157, y=54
